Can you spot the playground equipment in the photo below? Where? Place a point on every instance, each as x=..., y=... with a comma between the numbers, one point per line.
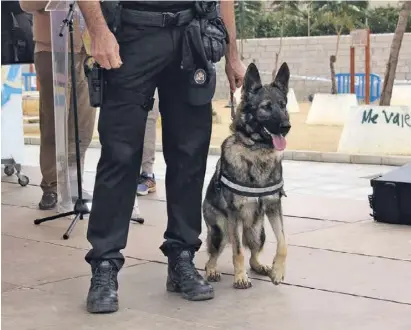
x=361, y=38
x=344, y=85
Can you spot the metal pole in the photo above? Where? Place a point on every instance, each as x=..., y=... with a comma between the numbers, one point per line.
x=352, y=69
x=367, y=68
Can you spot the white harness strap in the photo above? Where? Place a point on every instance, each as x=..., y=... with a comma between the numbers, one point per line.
x=251, y=191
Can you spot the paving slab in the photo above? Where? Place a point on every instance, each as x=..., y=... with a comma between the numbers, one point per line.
x=313, y=205
x=142, y=293
x=28, y=196
x=143, y=241
x=18, y=222
x=35, y=177
x=6, y=187
x=326, y=208
x=33, y=309
x=5, y=286
x=29, y=263
x=332, y=271
x=368, y=237
x=12, y=193
x=155, y=214
x=33, y=173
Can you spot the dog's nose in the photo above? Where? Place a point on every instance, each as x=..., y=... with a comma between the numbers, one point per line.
x=285, y=128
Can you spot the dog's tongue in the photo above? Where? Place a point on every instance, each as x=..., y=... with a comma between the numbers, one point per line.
x=279, y=142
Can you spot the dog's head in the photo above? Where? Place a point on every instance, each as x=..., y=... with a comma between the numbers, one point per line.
x=262, y=114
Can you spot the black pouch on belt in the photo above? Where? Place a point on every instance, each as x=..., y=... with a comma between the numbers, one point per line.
x=214, y=34
x=204, y=44
x=205, y=38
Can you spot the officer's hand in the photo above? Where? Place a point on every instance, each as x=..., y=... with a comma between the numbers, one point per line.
x=235, y=70
x=105, y=49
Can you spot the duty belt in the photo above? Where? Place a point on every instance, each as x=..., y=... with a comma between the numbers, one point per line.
x=154, y=19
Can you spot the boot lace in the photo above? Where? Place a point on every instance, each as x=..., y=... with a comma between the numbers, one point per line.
x=105, y=278
x=186, y=268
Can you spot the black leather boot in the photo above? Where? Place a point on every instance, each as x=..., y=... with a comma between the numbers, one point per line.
x=48, y=201
x=102, y=295
x=184, y=278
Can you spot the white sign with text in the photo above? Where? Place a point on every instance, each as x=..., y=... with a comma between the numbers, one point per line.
x=377, y=130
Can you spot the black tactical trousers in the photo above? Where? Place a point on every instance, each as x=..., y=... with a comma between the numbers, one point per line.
x=151, y=58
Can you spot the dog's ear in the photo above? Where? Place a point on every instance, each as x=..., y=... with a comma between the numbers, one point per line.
x=252, y=80
x=282, y=78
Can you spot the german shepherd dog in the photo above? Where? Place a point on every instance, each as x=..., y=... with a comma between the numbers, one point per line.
x=251, y=156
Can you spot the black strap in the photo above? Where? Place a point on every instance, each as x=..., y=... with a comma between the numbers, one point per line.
x=154, y=19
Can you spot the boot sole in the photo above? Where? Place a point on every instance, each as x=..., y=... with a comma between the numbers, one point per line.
x=47, y=207
x=102, y=308
x=192, y=297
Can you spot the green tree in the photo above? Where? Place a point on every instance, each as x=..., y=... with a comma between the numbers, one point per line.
x=282, y=7
x=299, y=12
x=267, y=26
x=394, y=53
x=343, y=16
x=384, y=19
x=246, y=15
x=289, y=14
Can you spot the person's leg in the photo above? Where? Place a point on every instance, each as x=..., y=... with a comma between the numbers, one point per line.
x=121, y=126
x=147, y=181
x=44, y=72
x=86, y=118
x=187, y=122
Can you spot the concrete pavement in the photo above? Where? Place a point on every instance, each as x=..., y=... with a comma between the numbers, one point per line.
x=344, y=271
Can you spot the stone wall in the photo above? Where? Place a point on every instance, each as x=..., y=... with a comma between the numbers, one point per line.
x=309, y=57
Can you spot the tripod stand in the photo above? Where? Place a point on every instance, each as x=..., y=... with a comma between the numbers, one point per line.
x=80, y=206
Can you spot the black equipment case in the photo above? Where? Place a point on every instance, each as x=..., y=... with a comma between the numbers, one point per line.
x=391, y=197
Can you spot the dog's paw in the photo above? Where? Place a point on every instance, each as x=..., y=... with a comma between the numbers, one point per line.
x=277, y=273
x=263, y=270
x=213, y=276
x=242, y=282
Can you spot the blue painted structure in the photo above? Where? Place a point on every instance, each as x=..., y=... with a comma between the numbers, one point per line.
x=27, y=76
x=343, y=85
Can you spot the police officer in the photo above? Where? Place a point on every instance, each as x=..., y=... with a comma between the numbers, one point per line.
x=145, y=53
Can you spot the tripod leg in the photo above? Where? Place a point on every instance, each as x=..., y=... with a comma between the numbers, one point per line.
x=71, y=227
x=57, y=216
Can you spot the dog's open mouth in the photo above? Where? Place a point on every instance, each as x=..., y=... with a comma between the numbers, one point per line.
x=279, y=141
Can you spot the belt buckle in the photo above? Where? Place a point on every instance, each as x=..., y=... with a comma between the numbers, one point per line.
x=169, y=19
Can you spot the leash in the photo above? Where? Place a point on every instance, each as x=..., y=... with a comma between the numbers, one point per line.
x=232, y=105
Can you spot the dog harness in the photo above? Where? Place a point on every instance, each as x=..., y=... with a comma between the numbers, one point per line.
x=248, y=190
x=252, y=191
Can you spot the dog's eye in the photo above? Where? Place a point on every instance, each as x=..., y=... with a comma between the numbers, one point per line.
x=266, y=107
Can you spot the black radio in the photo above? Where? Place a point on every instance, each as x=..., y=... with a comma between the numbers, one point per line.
x=94, y=74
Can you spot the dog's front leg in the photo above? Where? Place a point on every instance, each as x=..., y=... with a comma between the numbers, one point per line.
x=275, y=216
x=241, y=280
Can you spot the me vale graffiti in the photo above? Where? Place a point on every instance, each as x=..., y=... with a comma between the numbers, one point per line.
x=400, y=119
